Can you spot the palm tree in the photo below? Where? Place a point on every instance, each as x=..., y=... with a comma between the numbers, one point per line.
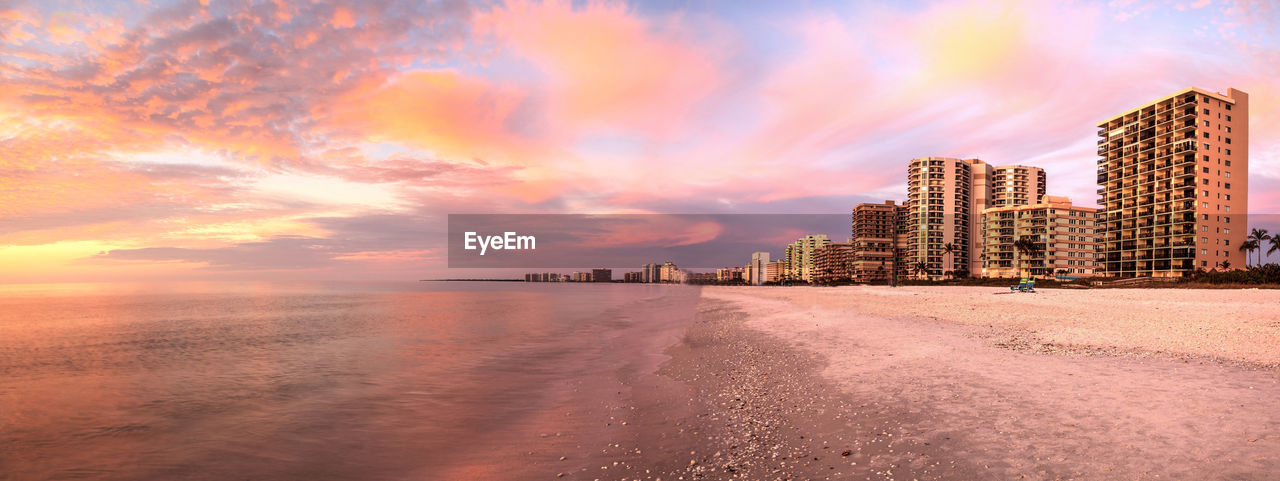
x=1260, y=237
x=1248, y=247
x=1027, y=246
x=1225, y=265
x=1275, y=245
x=950, y=250
x=921, y=268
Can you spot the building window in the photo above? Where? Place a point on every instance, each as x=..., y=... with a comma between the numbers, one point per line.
x=1206, y=170
x=1226, y=208
x=1206, y=134
x=1228, y=130
x=1206, y=145
x=1227, y=185
x=1206, y=111
x=1228, y=117
x=1228, y=196
x=1204, y=252
x=1204, y=181
x=1227, y=162
x=1206, y=123
x=1228, y=106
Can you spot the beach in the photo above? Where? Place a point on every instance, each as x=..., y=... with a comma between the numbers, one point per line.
x=959, y=383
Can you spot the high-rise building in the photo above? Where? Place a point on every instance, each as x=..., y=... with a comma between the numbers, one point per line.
x=799, y=256
x=945, y=196
x=1063, y=240
x=940, y=200
x=1173, y=176
x=601, y=275
x=878, y=229
x=755, y=270
x=1016, y=185
x=833, y=262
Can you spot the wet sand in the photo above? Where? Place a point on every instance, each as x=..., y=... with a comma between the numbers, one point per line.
x=919, y=384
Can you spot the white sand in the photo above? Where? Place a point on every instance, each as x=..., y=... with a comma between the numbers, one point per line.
x=1160, y=411
x=1230, y=324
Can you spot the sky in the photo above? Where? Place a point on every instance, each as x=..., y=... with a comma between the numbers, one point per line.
x=233, y=140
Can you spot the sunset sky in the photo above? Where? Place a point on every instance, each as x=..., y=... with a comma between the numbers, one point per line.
x=277, y=140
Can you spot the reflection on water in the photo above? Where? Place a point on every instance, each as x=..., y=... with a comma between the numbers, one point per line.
x=392, y=381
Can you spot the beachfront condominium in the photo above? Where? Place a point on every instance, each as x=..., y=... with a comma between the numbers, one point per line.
x=1173, y=177
x=945, y=197
x=1048, y=238
x=773, y=271
x=799, y=256
x=879, y=236
x=651, y=273
x=1016, y=185
x=670, y=273
x=755, y=270
x=833, y=263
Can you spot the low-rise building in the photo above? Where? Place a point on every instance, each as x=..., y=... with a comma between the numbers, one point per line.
x=1044, y=239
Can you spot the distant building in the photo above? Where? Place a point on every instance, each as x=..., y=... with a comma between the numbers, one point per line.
x=1064, y=240
x=703, y=278
x=651, y=273
x=755, y=270
x=799, y=256
x=727, y=275
x=833, y=263
x=601, y=275
x=774, y=271
x=670, y=273
x=631, y=277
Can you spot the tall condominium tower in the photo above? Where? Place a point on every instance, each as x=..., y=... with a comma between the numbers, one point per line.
x=940, y=200
x=1174, y=179
x=945, y=199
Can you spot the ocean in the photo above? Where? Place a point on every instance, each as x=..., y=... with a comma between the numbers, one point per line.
x=415, y=380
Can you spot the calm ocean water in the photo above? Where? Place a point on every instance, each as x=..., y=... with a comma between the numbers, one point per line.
x=310, y=381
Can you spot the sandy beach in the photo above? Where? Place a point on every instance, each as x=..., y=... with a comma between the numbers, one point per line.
x=920, y=383
x=1114, y=384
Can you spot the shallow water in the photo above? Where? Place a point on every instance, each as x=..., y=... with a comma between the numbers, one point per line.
x=307, y=381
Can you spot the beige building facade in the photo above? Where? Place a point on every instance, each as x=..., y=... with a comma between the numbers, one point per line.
x=1065, y=240
x=799, y=256
x=1173, y=176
